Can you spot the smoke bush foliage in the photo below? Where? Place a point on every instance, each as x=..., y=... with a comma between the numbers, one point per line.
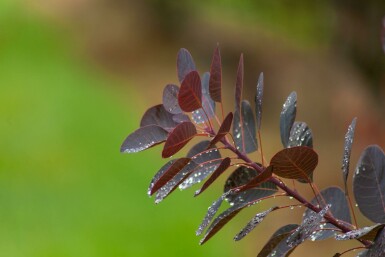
x=189, y=111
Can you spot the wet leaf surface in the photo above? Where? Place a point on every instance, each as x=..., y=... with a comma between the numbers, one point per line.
x=369, y=184
x=216, y=76
x=300, y=135
x=339, y=209
x=224, y=165
x=207, y=160
x=242, y=176
x=288, y=113
x=184, y=64
x=157, y=115
x=144, y=138
x=173, y=184
x=244, y=130
x=258, y=101
x=239, y=85
x=366, y=233
x=347, y=150
x=170, y=99
x=258, y=218
x=307, y=227
x=178, y=138
x=295, y=163
x=276, y=246
x=181, y=117
x=190, y=92
x=167, y=173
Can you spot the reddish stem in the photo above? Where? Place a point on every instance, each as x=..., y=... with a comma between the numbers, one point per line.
x=293, y=193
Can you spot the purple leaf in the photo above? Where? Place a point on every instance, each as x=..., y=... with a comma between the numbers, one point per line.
x=178, y=138
x=276, y=246
x=170, y=99
x=184, y=63
x=181, y=117
x=365, y=233
x=190, y=93
x=207, y=160
x=143, y=138
x=307, y=228
x=244, y=130
x=208, y=105
x=223, y=130
x=288, y=113
x=347, y=150
x=378, y=247
x=300, y=135
x=221, y=168
x=157, y=115
x=166, y=173
x=258, y=101
x=258, y=218
x=212, y=210
x=369, y=184
x=216, y=77
x=239, y=84
x=295, y=163
x=339, y=209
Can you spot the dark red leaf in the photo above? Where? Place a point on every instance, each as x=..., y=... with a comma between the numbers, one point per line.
x=223, y=130
x=239, y=84
x=157, y=115
x=190, y=93
x=173, y=184
x=166, y=173
x=144, y=138
x=184, y=64
x=288, y=113
x=339, y=209
x=277, y=242
x=216, y=76
x=178, y=138
x=258, y=101
x=347, y=150
x=207, y=160
x=221, y=168
x=369, y=184
x=295, y=163
x=170, y=99
x=259, y=179
x=244, y=130
x=208, y=105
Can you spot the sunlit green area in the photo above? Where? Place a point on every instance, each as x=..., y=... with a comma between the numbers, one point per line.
x=65, y=190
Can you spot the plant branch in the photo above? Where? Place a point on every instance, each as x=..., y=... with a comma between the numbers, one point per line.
x=293, y=193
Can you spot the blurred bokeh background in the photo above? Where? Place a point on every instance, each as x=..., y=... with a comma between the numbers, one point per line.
x=76, y=75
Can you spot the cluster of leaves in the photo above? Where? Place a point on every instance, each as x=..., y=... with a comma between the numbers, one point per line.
x=189, y=111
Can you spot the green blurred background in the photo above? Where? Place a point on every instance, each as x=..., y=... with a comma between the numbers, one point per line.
x=76, y=75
